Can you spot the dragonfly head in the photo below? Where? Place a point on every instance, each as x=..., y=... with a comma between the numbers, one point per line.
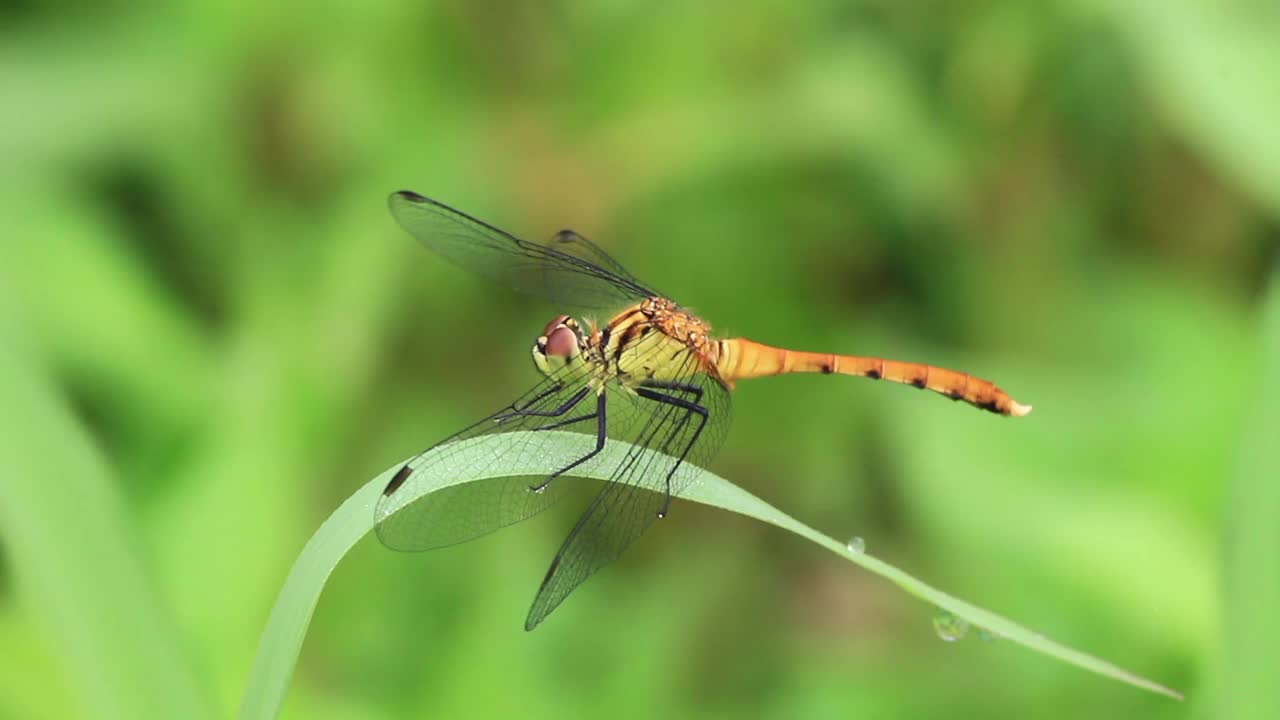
x=560, y=344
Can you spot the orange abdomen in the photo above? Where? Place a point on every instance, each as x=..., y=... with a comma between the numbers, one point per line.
x=739, y=359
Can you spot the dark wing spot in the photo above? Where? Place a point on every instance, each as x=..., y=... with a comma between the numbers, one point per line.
x=873, y=374
x=411, y=196
x=401, y=475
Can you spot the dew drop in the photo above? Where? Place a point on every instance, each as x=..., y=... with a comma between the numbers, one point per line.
x=949, y=626
x=856, y=545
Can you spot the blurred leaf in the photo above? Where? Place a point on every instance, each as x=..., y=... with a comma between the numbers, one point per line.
x=282, y=638
x=1251, y=585
x=1214, y=67
x=73, y=554
x=99, y=316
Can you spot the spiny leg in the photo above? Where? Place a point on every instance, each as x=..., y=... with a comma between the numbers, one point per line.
x=694, y=390
x=555, y=388
x=570, y=421
x=675, y=432
x=601, y=436
x=408, y=468
x=691, y=409
x=565, y=407
x=629, y=465
x=690, y=388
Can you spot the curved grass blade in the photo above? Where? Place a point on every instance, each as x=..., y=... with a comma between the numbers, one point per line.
x=286, y=627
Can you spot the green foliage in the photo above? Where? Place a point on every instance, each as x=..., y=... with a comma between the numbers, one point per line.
x=74, y=553
x=1251, y=590
x=211, y=330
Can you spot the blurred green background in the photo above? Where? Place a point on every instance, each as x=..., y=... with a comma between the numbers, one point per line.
x=213, y=332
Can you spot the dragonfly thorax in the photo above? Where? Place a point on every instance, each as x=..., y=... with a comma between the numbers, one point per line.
x=561, y=343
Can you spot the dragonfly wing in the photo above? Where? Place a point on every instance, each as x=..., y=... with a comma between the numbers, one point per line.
x=411, y=515
x=665, y=436
x=569, y=273
x=571, y=243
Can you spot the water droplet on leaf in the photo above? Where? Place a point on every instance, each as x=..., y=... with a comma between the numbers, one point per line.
x=949, y=626
x=856, y=545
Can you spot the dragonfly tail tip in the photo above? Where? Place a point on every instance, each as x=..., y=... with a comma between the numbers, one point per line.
x=1017, y=409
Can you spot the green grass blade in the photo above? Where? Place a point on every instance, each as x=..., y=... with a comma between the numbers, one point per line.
x=76, y=561
x=286, y=627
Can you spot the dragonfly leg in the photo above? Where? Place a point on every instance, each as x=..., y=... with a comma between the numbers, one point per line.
x=536, y=398
x=678, y=386
x=684, y=419
x=570, y=421
x=690, y=388
x=692, y=408
x=601, y=436
x=564, y=408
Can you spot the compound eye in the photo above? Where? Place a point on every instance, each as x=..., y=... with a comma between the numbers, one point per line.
x=556, y=322
x=561, y=342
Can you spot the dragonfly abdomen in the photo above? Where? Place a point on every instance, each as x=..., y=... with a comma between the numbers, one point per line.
x=741, y=359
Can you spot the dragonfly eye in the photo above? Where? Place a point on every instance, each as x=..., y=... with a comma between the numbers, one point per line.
x=561, y=342
x=556, y=322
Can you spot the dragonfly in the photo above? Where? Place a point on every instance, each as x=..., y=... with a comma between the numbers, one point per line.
x=650, y=378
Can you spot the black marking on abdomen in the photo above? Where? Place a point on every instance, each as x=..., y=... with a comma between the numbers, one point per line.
x=398, y=479
x=917, y=383
x=873, y=374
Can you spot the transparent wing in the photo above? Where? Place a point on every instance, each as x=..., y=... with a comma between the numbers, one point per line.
x=572, y=272
x=571, y=243
x=671, y=426
x=408, y=518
